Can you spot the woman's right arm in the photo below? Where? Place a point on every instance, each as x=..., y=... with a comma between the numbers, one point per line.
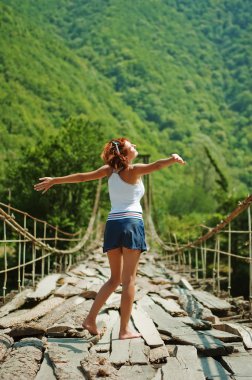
x=142, y=169
x=48, y=182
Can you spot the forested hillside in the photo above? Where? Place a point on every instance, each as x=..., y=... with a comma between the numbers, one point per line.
x=173, y=75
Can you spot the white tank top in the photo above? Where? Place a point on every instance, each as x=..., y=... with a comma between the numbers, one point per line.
x=125, y=197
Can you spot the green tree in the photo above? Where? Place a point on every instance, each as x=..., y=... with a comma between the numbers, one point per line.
x=75, y=148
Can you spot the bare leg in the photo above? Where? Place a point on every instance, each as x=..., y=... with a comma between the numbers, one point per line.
x=130, y=264
x=115, y=262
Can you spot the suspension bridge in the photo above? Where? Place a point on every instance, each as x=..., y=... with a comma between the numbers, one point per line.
x=191, y=325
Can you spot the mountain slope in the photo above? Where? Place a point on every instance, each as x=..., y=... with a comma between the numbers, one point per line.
x=172, y=75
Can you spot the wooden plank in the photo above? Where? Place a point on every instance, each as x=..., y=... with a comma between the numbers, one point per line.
x=59, y=311
x=160, y=281
x=68, y=290
x=6, y=343
x=46, y=369
x=106, y=272
x=238, y=348
x=158, y=375
x=185, y=335
x=27, y=329
x=167, y=294
x=194, y=308
x=94, y=366
x=145, y=303
x=104, y=343
x=119, y=348
x=188, y=358
x=239, y=365
x=213, y=369
x=170, y=306
x=185, y=284
x=210, y=301
x=146, y=327
x=23, y=361
x=72, y=280
x=140, y=293
x=45, y=287
x=195, y=323
x=60, y=329
x=137, y=352
x=173, y=367
x=77, y=315
x=89, y=294
x=162, y=319
x=158, y=355
x=82, y=269
x=205, y=344
x=173, y=276
x=114, y=299
x=34, y=313
x=145, y=284
x=147, y=270
x=223, y=335
x=66, y=355
x=16, y=302
x=137, y=372
x=234, y=328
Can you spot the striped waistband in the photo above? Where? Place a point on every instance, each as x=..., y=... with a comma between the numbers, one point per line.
x=124, y=215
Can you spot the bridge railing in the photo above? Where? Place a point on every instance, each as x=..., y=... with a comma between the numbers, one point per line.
x=205, y=258
x=36, y=247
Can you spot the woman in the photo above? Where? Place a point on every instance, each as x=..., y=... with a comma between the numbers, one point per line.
x=124, y=237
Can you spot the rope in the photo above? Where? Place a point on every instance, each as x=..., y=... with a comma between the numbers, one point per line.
x=10, y=221
x=39, y=220
x=212, y=231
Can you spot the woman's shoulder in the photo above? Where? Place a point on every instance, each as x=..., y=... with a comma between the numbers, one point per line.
x=109, y=170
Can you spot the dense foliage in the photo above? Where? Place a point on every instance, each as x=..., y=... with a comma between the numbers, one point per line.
x=172, y=75
x=68, y=205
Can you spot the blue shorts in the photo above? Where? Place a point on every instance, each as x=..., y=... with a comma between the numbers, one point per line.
x=127, y=232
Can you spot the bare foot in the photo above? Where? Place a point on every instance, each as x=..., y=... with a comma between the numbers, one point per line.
x=129, y=335
x=91, y=327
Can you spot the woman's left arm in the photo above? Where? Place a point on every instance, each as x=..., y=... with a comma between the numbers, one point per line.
x=142, y=169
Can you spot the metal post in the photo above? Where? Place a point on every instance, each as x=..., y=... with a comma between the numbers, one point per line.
x=56, y=257
x=60, y=263
x=42, y=253
x=70, y=260
x=5, y=264
x=229, y=260
x=48, y=263
x=178, y=255
x=203, y=264
x=19, y=262
x=56, y=237
x=184, y=261
x=24, y=254
x=146, y=159
x=190, y=263
x=9, y=200
x=197, y=264
x=65, y=262
x=205, y=259
x=218, y=265
x=250, y=257
x=214, y=266
x=34, y=254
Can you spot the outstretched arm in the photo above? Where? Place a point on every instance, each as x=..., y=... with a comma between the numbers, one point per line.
x=141, y=169
x=48, y=182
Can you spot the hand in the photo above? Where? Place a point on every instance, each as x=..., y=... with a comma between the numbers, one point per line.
x=178, y=159
x=46, y=183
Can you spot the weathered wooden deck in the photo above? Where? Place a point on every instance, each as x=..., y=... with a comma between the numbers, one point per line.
x=184, y=335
